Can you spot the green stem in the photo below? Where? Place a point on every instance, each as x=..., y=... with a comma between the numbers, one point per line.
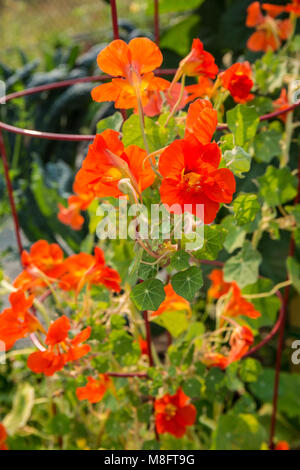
x=40, y=307
x=19, y=352
x=16, y=154
x=142, y=126
x=142, y=121
x=271, y=292
x=175, y=107
x=257, y=234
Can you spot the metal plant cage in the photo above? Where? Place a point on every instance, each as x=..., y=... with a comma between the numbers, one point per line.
x=279, y=325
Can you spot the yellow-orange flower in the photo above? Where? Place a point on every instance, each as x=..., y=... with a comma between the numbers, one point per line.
x=134, y=64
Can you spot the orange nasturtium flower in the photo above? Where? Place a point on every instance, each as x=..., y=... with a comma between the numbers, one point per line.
x=173, y=302
x=108, y=162
x=219, y=287
x=61, y=349
x=143, y=345
x=240, y=342
x=17, y=322
x=190, y=167
x=173, y=413
x=70, y=215
x=274, y=10
x=282, y=445
x=214, y=359
x=134, y=63
x=294, y=7
x=198, y=62
x=3, y=436
x=237, y=304
x=202, y=89
x=87, y=269
x=282, y=103
x=237, y=80
x=43, y=263
x=201, y=121
x=95, y=389
x=269, y=31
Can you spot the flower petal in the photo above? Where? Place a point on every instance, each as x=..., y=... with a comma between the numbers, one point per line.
x=105, y=92
x=115, y=58
x=145, y=55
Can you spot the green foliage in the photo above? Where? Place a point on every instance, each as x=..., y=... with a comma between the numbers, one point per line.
x=250, y=369
x=243, y=122
x=214, y=236
x=172, y=6
x=277, y=186
x=148, y=295
x=238, y=431
x=245, y=208
x=59, y=425
x=20, y=413
x=157, y=135
x=186, y=283
x=294, y=272
x=111, y=122
x=176, y=322
x=269, y=72
x=268, y=306
x=235, y=236
x=237, y=160
x=287, y=398
x=133, y=270
x=267, y=145
x=192, y=387
x=243, y=267
x=185, y=29
x=180, y=260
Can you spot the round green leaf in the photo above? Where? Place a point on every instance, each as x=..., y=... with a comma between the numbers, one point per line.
x=148, y=295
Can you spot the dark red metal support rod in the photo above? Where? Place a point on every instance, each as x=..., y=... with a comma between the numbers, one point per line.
x=280, y=344
x=274, y=330
x=10, y=193
x=141, y=375
x=156, y=22
x=114, y=17
x=277, y=367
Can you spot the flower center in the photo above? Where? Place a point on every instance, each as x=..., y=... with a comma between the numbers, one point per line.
x=112, y=175
x=192, y=181
x=170, y=411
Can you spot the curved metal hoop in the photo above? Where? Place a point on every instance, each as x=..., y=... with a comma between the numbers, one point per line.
x=82, y=137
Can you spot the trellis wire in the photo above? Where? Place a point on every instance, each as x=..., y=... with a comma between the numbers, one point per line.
x=280, y=323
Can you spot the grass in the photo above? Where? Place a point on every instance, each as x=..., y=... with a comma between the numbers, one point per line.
x=31, y=25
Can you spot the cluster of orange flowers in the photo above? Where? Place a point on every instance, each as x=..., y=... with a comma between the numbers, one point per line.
x=270, y=31
x=108, y=162
x=236, y=305
x=44, y=267
x=192, y=175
